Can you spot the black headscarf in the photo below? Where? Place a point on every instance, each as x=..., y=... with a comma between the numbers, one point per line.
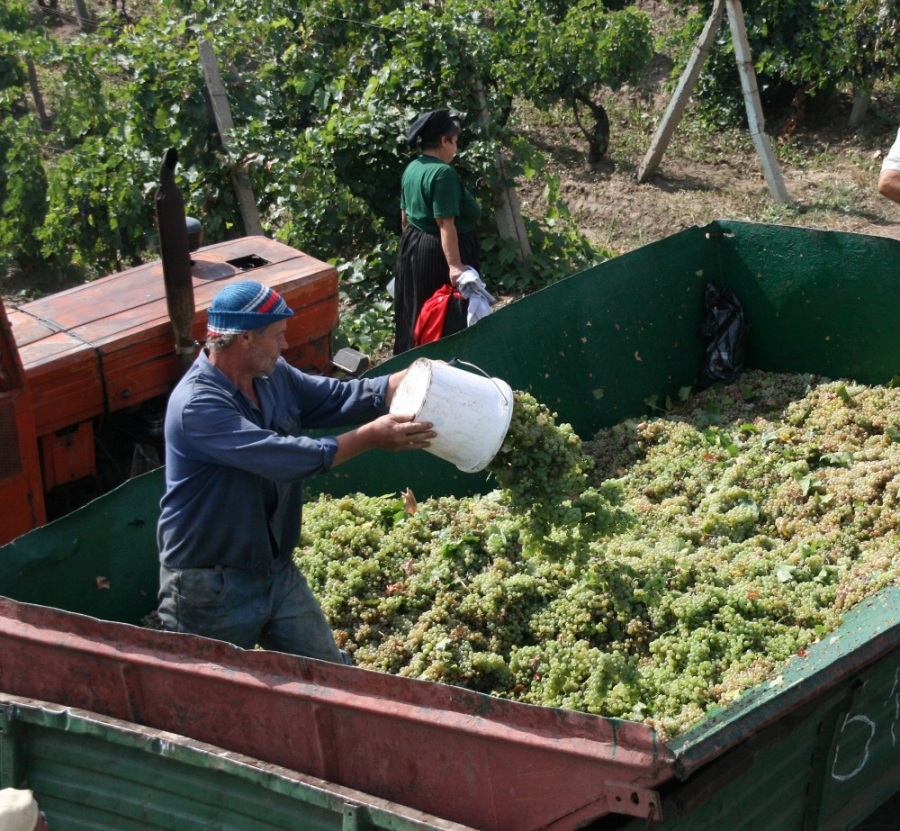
x=429, y=126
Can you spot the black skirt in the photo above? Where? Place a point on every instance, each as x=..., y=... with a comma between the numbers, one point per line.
x=420, y=271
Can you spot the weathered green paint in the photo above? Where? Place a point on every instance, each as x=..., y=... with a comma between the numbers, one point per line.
x=10, y=756
x=111, y=542
x=92, y=772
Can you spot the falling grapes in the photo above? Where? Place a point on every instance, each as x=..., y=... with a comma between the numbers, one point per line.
x=542, y=470
x=653, y=572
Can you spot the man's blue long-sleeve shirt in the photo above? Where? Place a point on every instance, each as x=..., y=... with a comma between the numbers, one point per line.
x=234, y=472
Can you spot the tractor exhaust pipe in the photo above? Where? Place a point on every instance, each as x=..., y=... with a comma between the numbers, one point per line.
x=175, y=251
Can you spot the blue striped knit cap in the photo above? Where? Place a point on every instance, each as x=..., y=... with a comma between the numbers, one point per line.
x=243, y=306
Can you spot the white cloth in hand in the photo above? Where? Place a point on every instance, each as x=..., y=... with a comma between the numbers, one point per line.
x=480, y=299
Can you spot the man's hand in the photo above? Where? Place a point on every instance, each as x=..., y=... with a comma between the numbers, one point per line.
x=400, y=432
x=390, y=432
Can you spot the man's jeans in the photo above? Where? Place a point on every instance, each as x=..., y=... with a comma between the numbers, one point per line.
x=275, y=610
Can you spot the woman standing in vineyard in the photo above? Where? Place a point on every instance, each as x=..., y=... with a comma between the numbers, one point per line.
x=439, y=216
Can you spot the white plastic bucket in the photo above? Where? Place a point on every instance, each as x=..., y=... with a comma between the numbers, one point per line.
x=470, y=413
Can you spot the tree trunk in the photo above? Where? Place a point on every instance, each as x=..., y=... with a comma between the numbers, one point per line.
x=510, y=224
x=862, y=97
x=85, y=21
x=598, y=134
x=36, y=95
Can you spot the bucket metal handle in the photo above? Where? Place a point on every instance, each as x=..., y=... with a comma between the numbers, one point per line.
x=453, y=361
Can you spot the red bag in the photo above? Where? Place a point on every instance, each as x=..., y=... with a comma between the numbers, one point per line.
x=433, y=316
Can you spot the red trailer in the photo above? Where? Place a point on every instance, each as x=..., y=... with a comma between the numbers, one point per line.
x=87, y=370
x=21, y=492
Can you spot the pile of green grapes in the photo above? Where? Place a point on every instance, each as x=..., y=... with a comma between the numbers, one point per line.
x=648, y=574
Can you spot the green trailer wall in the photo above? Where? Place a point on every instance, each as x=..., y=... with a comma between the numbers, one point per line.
x=91, y=772
x=598, y=345
x=101, y=560
x=817, y=301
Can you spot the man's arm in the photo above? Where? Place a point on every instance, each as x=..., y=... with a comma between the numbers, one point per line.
x=390, y=432
x=393, y=385
x=889, y=184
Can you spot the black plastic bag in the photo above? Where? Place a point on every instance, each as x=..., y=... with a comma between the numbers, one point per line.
x=725, y=333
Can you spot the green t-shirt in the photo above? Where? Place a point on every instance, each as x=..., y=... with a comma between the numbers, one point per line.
x=431, y=188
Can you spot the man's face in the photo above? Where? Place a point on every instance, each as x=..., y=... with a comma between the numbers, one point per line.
x=264, y=347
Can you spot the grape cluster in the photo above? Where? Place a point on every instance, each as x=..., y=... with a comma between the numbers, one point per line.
x=651, y=573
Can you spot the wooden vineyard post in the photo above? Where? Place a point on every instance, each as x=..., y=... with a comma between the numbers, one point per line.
x=751, y=101
x=755, y=119
x=85, y=21
x=509, y=213
x=222, y=112
x=675, y=110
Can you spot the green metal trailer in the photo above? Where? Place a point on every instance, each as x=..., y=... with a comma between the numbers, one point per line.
x=92, y=771
x=819, y=748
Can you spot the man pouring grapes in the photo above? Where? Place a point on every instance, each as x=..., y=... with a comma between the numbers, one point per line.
x=235, y=464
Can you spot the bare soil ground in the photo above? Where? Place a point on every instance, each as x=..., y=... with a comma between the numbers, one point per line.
x=831, y=180
x=830, y=170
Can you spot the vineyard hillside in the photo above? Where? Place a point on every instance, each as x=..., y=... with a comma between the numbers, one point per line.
x=830, y=169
